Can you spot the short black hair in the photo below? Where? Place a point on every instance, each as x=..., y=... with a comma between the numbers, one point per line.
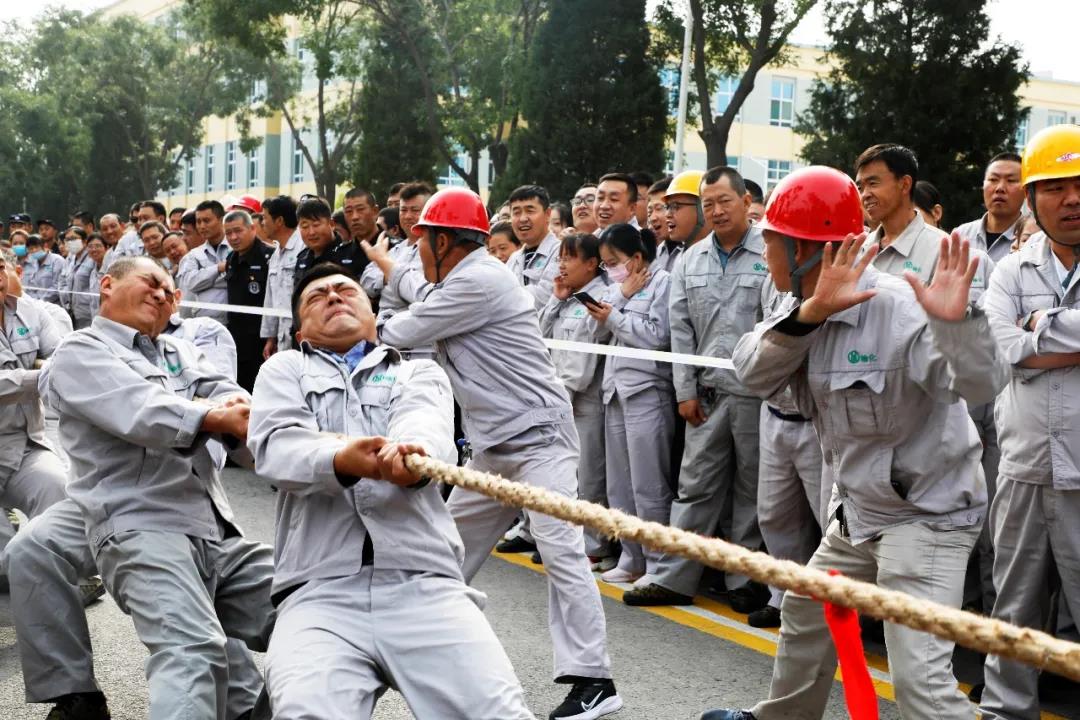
x=339, y=219
x=319, y=271
x=33, y=239
x=149, y=224
x=188, y=218
x=583, y=246
x=84, y=216
x=214, y=206
x=900, y=160
x=713, y=175
x=96, y=236
x=1008, y=156
x=158, y=208
x=415, y=189
x=505, y=228
x=282, y=207
x=392, y=217
x=926, y=196
x=756, y=193
x=628, y=240
x=565, y=214
x=528, y=192
x=77, y=230
x=358, y=192
x=395, y=188
x=177, y=211
x=314, y=208
x=642, y=179
x=631, y=186
x=660, y=185
x=135, y=208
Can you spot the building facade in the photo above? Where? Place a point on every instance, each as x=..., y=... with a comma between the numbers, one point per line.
x=762, y=144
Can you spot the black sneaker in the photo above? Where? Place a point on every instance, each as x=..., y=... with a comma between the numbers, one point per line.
x=653, y=594
x=515, y=545
x=588, y=699
x=766, y=617
x=748, y=598
x=80, y=706
x=727, y=715
x=92, y=590
x=536, y=559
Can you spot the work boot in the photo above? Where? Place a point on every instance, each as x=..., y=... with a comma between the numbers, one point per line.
x=515, y=545
x=654, y=594
x=80, y=706
x=92, y=590
x=766, y=617
x=748, y=598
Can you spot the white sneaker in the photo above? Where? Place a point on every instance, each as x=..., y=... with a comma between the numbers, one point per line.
x=644, y=580
x=618, y=575
x=604, y=564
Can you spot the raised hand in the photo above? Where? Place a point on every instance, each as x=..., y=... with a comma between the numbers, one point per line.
x=561, y=291
x=949, y=291
x=635, y=282
x=838, y=282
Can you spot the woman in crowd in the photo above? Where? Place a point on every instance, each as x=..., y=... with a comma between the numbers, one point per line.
x=928, y=203
x=502, y=242
x=566, y=317
x=96, y=249
x=559, y=217
x=639, y=397
x=77, y=280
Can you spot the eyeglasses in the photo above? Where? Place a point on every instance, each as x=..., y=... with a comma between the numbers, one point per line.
x=673, y=206
x=583, y=200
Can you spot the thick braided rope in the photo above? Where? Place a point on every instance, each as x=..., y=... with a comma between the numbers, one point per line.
x=972, y=631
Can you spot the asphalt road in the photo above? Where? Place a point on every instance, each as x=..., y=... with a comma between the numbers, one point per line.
x=665, y=668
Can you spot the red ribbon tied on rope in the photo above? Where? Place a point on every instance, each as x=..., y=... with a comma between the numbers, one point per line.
x=859, y=692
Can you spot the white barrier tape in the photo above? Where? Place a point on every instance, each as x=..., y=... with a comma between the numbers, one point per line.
x=570, y=345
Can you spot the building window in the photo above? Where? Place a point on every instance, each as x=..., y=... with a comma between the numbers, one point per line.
x=253, y=168
x=209, y=168
x=782, y=102
x=297, y=162
x=1055, y=117
x=725, y=91
x=449, y=178
x=189, y=175
x=1022, y=132
x=669, y=162
x=733, y=161
x=669, y=80
x=776, y=171
x=230, y=165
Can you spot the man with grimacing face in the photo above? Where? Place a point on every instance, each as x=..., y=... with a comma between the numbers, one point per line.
x=367, y=572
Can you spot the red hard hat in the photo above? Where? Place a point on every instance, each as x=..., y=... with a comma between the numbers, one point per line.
x=456, y=208
x=814, y=203
x=249, y=203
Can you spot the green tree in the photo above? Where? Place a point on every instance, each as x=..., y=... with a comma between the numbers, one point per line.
x=394, y=144
x=730, y=39
x=925, y=74
x=593, y=102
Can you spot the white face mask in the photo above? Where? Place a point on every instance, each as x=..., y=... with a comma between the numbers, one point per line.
x=74, y=246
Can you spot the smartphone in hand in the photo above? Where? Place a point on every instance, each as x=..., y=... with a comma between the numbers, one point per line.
x=586, y=299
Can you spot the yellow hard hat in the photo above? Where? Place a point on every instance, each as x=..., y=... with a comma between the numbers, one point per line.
x=1053, y=153
x=688, y=182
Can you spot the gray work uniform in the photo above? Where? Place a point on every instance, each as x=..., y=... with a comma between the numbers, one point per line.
x=280, y=277
x=1034, y=515
x=710, y=308
x=200, y=280
x=405, y=286
x=667, y=254
x=349, y=628
x=639, y=412
x=32, y=475
x=538, y=278
x=885, y=386
x=582, y=375
x=77, y=293
x=155, y=511
x=916, y=250
x=519, y=422
x=793, y=502
x=51, y=554
x=129, y=245
x=42, y=278
x=975, y=233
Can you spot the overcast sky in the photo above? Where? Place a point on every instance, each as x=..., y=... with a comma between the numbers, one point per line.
x=1045, y=29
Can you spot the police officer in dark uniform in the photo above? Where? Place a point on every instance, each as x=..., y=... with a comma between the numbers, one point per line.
x=245, y=277
x=322, y=242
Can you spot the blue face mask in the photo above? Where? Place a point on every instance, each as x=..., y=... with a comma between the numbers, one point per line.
x=37, y=255
x=19, y=250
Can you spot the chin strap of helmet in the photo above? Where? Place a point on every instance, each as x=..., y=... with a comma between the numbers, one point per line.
x=800, y=271
x=1075, y=248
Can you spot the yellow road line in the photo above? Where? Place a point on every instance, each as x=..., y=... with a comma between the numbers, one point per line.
x=748, y=638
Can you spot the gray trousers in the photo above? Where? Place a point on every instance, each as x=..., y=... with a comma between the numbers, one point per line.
x=545, y=456
x=792, y=504
x=340, y=643
x=979, y=587
x=37, y=484
x=46, y=560
x=638, y=431
x=718, y=487
x=592, y=465
x=1033, y=525
x=185, y=595
x=911, y=558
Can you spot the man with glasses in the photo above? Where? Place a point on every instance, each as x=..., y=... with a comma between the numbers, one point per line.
x=715, y=299
x=581, y=205
x=683, y=217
